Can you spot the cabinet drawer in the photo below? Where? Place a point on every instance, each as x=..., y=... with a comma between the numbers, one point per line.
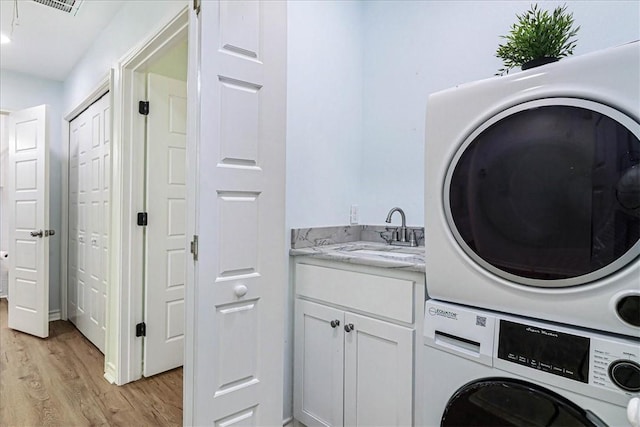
x=380, y=296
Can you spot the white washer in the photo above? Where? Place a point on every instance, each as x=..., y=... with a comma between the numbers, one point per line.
x=489, y=369
x=532, y=192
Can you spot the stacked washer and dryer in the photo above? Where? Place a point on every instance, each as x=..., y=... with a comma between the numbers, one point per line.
x=532, y=219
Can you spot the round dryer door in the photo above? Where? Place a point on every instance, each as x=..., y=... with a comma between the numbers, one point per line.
x=547, y=193
x=495, y=402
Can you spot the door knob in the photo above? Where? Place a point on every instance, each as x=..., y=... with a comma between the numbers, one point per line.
x=240, y=290
x=335, y=323
x=349, y=327
x=37, y=233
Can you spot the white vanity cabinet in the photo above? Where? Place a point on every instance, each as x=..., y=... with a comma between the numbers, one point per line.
x=355, y=343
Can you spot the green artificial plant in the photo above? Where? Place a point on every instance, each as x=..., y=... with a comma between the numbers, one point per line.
x=538, y=34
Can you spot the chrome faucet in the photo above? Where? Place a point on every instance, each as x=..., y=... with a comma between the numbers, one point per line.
x=401, y=240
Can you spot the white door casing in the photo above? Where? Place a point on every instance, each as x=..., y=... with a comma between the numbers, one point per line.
x=89, y=180
x=165, y=233
x=28, y=187
x=240, y=277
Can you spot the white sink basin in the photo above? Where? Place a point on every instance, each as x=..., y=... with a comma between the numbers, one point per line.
x=383, y=253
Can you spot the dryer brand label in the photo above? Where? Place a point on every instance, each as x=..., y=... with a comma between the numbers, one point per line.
x=443, y=313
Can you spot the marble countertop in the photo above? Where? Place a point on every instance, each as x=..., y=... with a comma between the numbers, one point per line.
x=368, y=253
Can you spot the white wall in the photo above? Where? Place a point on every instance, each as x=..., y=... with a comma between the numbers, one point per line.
x=128, y=29
x=414, y=48
x=324, y=111
x=19, y=91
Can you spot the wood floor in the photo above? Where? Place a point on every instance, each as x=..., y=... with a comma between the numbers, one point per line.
x=59, y=381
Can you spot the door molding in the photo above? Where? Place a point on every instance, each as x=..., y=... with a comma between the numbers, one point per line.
x=105, y=86
x=123, y=352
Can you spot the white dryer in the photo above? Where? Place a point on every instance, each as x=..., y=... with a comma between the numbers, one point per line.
x=532, y=192
x=487, y=369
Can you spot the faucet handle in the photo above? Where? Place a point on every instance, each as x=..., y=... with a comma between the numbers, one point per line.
x=412, y=238
x=394, y=235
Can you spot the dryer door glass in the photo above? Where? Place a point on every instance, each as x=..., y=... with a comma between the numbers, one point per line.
x=496, y=402
x=547, y=194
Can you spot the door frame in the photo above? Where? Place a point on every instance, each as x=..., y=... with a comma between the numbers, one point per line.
x=124, y=83
x=123, y=350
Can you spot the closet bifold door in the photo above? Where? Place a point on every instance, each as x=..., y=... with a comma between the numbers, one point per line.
x=89, y=177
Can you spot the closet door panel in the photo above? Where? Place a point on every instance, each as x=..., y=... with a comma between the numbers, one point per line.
x=89, y=178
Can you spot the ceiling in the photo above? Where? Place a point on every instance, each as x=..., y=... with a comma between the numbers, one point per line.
x=48, y=42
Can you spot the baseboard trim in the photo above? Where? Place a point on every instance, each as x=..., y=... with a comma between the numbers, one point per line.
x=110, y=373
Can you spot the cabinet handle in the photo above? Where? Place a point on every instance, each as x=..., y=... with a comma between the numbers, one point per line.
x=349, y=327
x=335, y=323
x=37, y=233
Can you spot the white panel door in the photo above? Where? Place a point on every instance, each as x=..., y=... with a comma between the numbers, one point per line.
x=89, y=178
x=165, y=234
x=28, y=186
x=378, y=373
x=240, y=277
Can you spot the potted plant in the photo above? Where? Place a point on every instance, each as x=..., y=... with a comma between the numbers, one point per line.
x=539, y=37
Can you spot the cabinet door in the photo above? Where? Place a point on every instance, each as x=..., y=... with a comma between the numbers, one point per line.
x=319, y=353
x=378, y=374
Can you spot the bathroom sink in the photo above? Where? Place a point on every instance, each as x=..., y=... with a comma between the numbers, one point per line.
x=387, y=254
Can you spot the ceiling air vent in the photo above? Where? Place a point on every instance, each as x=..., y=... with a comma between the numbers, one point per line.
x=69, y=6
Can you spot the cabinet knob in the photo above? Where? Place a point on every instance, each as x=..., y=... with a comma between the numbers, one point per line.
x=349, y=327
x=335, y=323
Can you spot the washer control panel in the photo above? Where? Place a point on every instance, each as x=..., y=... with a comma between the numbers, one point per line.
x=615, y=365
x=545, y=349
x=594, y=359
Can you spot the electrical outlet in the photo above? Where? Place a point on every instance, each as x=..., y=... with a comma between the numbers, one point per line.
x=354, y=215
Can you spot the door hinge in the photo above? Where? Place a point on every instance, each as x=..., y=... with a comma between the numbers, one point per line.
x=142, y=218
x=143, y=108
x=141, y=330
x=194, y=247
x=196, y=6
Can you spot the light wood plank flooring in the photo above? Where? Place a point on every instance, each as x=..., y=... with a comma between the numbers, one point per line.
x=59, y=381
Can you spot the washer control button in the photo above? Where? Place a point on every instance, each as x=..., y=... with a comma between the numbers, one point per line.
x=625, y=374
